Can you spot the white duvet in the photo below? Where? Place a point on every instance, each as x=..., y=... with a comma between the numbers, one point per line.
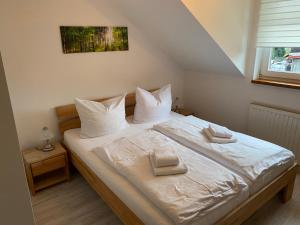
x=250, y=157
x=185, y=197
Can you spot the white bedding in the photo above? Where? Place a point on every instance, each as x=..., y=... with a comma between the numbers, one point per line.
x=131, y=196
x=257, y=161
x=185, y=198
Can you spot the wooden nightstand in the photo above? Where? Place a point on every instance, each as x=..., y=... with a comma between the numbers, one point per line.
x=44, y=169
x=185, y=112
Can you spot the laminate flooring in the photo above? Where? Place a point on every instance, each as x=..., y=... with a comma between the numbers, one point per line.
x=75, y=203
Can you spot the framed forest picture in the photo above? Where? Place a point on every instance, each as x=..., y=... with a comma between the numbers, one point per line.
x=77, y=39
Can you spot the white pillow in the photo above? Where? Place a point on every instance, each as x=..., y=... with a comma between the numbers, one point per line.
x=151, y=107
x=101, y=118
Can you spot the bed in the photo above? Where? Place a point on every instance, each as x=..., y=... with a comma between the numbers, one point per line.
x=132, y=210
x=257, y=161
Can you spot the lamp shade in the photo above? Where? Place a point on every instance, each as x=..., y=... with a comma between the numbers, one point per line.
x=46, y=134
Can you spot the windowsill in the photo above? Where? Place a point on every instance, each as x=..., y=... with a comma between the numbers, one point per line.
x=277, y=83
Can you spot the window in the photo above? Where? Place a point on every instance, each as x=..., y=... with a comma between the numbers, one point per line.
x=278, y=34
x=281, y=62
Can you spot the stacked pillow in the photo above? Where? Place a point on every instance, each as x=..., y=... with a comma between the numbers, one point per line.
x=102, y=118
x=151, y=107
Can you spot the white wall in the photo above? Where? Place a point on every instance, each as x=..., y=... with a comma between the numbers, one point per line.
x=227, y=22
x=15, y=206
x=225, y=99
x=41, y=77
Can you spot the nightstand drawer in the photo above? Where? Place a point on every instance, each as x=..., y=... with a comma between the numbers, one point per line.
x=48, y=165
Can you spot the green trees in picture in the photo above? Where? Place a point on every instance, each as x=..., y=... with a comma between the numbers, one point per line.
x=93, y=39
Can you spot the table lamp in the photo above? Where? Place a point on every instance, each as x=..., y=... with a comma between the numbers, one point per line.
x=46, y=137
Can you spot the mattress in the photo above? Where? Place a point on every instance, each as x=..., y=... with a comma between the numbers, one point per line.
x=129, y=194
x=257, y=161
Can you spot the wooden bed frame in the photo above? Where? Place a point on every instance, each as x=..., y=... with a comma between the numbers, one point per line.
x=284, y=184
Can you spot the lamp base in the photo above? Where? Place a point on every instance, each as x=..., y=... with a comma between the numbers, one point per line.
x=46, y=148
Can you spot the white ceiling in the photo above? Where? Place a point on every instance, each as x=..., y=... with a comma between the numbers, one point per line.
x=178, y=33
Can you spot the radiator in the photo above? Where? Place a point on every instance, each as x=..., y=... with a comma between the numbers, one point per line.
x=276, y=126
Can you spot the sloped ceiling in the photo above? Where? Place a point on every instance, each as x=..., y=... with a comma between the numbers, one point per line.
x=179, y=34
x=228, y=22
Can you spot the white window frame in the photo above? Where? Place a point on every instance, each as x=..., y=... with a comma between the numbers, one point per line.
x=266, y=59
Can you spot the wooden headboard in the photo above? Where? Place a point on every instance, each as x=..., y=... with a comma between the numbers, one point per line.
x=68, y=117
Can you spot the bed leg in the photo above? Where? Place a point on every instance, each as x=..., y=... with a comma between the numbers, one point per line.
x=287, y=192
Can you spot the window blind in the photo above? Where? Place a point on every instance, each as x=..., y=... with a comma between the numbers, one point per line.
x=279, y=23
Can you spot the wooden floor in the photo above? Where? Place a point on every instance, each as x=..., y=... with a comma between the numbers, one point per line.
x=75, y=203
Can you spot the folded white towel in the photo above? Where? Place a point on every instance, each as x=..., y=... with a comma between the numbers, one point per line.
x=219, y=131
x=165, y=156
x=218, y=139
x=167, y=170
